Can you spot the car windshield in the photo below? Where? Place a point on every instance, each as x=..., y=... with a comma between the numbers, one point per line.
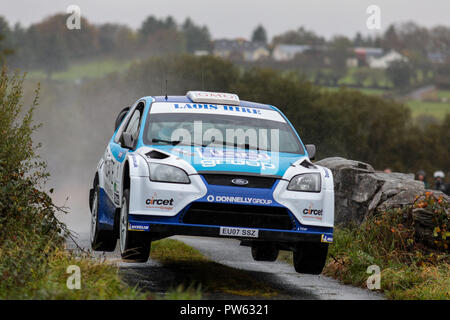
x=213, y=130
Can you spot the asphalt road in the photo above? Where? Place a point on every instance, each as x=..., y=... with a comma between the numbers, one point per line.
x=157, y=278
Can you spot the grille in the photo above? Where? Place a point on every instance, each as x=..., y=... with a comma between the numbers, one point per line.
x=253, y=181
x=234, y=215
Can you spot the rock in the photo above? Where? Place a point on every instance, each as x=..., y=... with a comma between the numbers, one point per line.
x=424, y=225
x=360, y=190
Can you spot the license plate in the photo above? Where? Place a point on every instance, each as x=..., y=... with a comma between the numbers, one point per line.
x=238, y=232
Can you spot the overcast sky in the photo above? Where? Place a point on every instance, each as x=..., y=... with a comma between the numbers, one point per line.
x=234, y=18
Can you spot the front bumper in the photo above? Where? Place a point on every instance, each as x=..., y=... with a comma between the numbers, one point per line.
x=161, y=229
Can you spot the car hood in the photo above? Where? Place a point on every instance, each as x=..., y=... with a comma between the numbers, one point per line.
x=209, y=159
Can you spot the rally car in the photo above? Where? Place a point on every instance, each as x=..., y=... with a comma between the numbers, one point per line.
x=209, y=164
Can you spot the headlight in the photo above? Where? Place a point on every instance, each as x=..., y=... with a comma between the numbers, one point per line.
x=166, y=173
x=307, y=182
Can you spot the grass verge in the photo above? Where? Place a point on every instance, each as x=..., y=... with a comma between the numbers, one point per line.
x=409, y=269
x=33, y=260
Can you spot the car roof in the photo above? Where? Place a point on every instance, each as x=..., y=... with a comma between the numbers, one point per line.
x=185, y=99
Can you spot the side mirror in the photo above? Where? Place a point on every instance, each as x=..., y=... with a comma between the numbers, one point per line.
x=127, y=140
x=311, y=149
x=120, y=117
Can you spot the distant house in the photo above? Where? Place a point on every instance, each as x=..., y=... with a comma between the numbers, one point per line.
x=436, y=57
x=384, y=61
x=352, y=62
x=240, y=49
x=286, y=52
x=201, y=53
x=364, y=54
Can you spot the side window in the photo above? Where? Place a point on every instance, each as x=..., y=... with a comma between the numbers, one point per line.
x=133, y=125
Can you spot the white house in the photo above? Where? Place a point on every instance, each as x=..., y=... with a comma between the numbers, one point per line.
x=384, y=61
x=286, y=52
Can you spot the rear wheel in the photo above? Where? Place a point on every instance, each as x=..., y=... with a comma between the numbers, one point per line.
x=264, y=252
x=310, y=257
x=134, y=245
x=101, y=240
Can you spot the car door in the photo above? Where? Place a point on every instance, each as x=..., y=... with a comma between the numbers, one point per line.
x=118, y=152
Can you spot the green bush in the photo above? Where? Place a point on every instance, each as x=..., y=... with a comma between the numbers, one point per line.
x=33, y=261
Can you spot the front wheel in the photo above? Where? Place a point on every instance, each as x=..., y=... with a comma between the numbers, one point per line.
x=134, y=245
x=310, y=257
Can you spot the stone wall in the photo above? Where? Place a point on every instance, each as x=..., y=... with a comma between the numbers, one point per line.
x=359, y=189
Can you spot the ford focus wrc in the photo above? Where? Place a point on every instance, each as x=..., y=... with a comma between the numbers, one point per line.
x=210, y=164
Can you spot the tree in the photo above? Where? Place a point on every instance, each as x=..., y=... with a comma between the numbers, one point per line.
x=358, y=41
x=300, y=36
x=5, y=40
x=442, y=76
x=52, y=54
x=391, y=39
x=339, y=52
x=151, y=25
x=197, y=38
x=259, y=35
x=360, y=75
x=118, y=40
x=400, y=73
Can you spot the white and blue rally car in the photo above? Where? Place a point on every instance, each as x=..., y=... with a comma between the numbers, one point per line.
x=209, y=164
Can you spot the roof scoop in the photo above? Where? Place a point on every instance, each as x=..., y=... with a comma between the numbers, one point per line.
x=214, y=97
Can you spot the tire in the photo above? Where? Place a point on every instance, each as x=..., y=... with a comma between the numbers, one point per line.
x=101, y=240
x=134, y=245
x=264, y=252
x=310, y=257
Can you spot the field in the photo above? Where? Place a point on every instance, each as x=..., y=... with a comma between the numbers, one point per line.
x=92, y=69
x=436, y=109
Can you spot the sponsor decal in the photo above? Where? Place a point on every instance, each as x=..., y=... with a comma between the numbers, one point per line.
x=116, y=198
x=211, y=157
x=158, y=203
x=327, y=239
x=217, y=109
x=207, y=107
x=120, y=154
x=138, y=227
x=233, y=199
x=134, y=160
x=327, y=175
x=311, y=213
x=251, y=163
x=215, y=153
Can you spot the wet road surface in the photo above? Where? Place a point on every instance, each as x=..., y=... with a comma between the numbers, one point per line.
x=158, y=278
